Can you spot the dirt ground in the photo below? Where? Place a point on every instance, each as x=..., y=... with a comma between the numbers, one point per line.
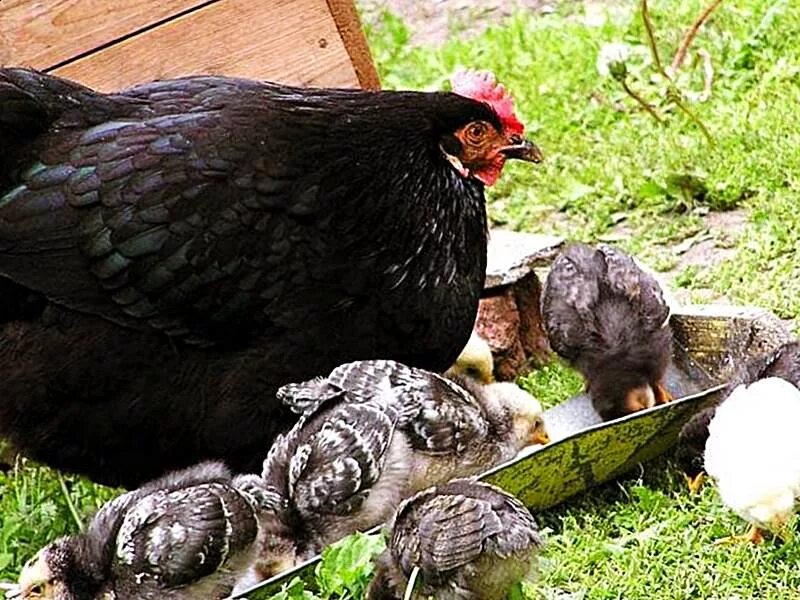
x=706, y=250
x=432, y=20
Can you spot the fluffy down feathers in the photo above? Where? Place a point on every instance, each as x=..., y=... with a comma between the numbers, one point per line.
x=469, y=540
x=188, y=535
x=475, y=361
x=753, y=451
x=609, y=319
x=374, y=432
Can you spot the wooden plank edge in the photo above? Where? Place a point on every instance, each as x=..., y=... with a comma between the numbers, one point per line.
x=200, y=5
x=350, y=30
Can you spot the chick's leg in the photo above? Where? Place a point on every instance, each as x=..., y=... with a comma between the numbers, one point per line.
x=696, y=482
x=753, y=536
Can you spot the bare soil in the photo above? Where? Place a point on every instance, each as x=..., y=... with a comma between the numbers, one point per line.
x=431, y=21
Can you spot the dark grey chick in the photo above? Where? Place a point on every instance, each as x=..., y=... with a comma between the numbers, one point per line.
x=469, y=541
x=609, y=318
x=187, y=535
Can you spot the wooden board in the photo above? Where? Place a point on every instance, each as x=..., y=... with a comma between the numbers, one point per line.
x=42, y=34
x=347, y=21
x=113, y=45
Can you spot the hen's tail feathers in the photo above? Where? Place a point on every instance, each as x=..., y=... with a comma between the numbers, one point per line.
x=30, y=101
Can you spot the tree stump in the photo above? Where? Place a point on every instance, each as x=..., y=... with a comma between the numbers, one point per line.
x=509, y=314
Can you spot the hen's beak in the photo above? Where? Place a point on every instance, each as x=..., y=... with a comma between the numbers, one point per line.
x=522, y=149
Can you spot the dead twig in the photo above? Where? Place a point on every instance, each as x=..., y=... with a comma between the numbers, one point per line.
x=691, y=33
x=642, y=102
x=673, y=93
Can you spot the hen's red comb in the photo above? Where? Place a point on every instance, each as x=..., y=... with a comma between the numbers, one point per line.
x=482, y=86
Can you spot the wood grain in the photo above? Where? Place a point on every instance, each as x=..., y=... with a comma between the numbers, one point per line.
x=42, y=33
x=355, y=42
x=292, y=41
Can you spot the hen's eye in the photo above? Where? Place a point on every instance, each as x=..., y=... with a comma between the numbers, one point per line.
x=476, y=131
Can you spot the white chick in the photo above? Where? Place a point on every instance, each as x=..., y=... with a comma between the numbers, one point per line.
x=753, y=453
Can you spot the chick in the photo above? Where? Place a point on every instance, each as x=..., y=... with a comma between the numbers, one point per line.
x=753, y=453
x=340, y=469
x=377, y=432
x=455, y=426
x=475, y=361
x=189, y=534
x=465, y=540
x=512, y=419
x=609, y=319
x=784, y=362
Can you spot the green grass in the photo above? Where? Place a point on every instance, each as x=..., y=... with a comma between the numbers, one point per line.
x=612, y=173
x=34, y=511
x=610, y=165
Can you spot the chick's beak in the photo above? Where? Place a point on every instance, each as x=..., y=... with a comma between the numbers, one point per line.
x=539, y=435
x=522, y=149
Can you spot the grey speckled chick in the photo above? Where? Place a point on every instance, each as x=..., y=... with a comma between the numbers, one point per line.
x=340, y=469
x=373, y=433
x=454, y=426
x=187, y=535
x=469, y=540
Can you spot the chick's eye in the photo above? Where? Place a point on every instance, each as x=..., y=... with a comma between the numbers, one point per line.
x=476, y=131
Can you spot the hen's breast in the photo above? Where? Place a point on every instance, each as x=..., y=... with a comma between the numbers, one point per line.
x=403, y=284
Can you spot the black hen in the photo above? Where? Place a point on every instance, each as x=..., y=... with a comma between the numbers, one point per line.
x=170, y=255
x=609, y=318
